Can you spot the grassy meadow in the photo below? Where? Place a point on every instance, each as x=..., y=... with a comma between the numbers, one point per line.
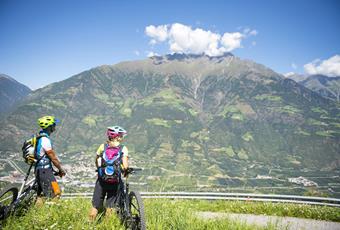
x=163, y=214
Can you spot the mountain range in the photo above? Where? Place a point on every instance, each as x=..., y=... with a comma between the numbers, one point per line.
x=11, y=93
x=192, y=119
x=328, y=87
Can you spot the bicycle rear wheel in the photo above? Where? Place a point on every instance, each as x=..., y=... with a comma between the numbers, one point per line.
x=7, y=197
x=136, y=208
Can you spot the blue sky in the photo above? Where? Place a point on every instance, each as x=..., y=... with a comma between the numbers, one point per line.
x=47, y=41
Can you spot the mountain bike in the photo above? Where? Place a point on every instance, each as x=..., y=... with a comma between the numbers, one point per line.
x=130, y=204
x=14, y=201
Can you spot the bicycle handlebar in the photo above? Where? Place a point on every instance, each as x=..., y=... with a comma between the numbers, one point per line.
x=128, y=170
x=132, y=170
x=56, y=173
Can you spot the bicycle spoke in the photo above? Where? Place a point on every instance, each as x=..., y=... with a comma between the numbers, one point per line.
x=8, y=196
x=6, y=199
x=134, y=206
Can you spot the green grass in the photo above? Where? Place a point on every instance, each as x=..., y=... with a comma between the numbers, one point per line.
x=159, y=121
x=242, y=154
x=326, y=133
x=247, y=137
x=268, y=97
x=167, y=97
x=126, y=110
x=226, y=150
x=89, y=120
x=319, y=110
x=233, y=112
x=163, y=214
x=290, y=109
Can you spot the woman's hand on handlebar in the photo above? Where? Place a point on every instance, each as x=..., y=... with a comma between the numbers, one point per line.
x=125, y=171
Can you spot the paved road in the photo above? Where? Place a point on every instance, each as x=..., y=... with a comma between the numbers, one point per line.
x=289, y=223
x=14, y=165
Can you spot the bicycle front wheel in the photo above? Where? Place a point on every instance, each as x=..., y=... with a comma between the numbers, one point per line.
x=7, y=197
x=26, y=200
x=136, y=208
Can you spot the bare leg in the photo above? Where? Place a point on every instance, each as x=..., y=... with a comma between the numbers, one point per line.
x=93, y=214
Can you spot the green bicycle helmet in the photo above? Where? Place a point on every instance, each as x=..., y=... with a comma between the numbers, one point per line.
x=47, y=121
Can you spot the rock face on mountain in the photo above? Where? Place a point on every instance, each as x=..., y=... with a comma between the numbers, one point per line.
x=199, y=119
x=297, y=77
x=11, y=92
x=326, y=86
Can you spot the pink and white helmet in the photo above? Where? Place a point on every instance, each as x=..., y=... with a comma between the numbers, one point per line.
x=115, y=131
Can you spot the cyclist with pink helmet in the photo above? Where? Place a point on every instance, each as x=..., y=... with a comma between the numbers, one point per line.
x=111, y=161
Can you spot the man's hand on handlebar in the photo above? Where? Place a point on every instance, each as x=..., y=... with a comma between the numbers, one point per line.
x=61, y=172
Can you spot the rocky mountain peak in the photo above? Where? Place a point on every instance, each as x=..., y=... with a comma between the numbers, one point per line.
x=11, y=92
x=6, y=77
x=188, y=57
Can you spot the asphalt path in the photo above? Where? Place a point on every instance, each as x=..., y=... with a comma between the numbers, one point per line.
x=289, y=223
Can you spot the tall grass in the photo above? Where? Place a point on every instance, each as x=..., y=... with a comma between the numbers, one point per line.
x=161, y=214
x=178, y=215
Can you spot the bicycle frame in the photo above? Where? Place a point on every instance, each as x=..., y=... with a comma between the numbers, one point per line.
x=25, y=183
x=25, y=190
x=123, y=196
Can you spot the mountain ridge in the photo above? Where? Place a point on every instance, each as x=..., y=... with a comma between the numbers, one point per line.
x=327, y=87
x=187, y=115
x=11, y=93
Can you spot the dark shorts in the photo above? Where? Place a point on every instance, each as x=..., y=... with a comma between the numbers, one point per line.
x=101, y=190
x=44, y=179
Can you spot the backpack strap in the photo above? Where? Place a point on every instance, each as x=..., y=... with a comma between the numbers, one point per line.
x=105, y=147
x=37, y=138
x=101, y=153
x=120, y=152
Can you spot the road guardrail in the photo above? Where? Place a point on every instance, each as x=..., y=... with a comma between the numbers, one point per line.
x=325, y=201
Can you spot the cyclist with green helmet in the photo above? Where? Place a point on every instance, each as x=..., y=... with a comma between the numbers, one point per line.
x=111, y=161
x=46, y=156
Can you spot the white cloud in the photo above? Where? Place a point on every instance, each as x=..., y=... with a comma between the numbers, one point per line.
x=152, y=42
x=184, y=39
x=232, y=41
x=137, y=53
x=294, y=66
x=329, y=67
x=158, y=33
